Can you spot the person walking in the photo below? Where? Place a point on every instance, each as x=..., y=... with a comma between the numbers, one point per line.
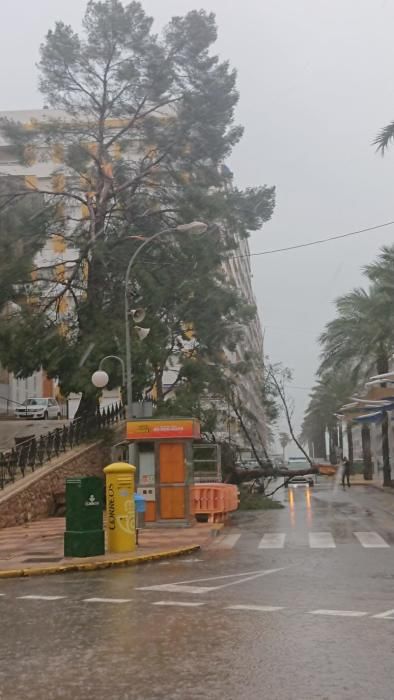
x=346, y=472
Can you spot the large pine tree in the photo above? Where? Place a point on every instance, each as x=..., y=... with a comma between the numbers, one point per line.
x=23, y=230
x=142, y=127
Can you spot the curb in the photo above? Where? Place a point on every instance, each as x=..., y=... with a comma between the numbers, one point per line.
x=97, y=565
x=385, y=489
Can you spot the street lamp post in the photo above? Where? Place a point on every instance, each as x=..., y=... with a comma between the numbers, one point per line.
x=100, y=378
x=119, y=359
x=193, y=227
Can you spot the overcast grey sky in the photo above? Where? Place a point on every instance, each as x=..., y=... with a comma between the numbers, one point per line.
x=316, y=84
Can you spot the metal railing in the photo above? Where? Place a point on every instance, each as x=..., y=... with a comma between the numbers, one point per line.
x=33, y=452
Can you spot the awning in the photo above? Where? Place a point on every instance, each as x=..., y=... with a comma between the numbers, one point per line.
x=376, y=417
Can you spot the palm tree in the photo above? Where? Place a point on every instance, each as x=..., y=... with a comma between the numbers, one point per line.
x=330, y=392
x=313, y=434
x=361, y=338
x=284, y=440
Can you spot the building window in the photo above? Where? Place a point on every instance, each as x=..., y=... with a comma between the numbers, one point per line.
x=58, y=243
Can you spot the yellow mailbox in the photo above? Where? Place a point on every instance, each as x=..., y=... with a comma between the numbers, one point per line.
x=121, y=531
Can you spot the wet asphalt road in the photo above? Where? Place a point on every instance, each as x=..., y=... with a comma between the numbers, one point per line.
x=289, y=617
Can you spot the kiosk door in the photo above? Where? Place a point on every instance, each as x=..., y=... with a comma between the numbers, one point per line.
x=172, y=478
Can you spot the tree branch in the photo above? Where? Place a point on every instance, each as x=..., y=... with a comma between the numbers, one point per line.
x=281, y=393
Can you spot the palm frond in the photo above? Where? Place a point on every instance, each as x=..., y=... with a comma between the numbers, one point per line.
x=362, y=331
x=381, y=271
x=385, y=135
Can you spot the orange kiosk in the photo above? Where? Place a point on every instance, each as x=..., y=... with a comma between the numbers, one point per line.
x=164, y=459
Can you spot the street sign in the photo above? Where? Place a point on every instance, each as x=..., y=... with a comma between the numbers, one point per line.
x=157, y=429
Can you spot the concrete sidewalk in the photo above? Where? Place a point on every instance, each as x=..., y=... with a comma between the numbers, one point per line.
x=38, y=548
x=358, y=480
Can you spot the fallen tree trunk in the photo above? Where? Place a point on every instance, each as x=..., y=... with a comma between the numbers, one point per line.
x=240, y=476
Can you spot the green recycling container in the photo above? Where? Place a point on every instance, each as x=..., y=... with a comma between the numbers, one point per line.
x=84, y=535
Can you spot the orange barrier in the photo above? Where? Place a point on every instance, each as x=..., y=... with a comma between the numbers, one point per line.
x=326, y=469
x=214, y=500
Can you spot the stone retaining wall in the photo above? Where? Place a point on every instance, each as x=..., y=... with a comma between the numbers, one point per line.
x=32, y=498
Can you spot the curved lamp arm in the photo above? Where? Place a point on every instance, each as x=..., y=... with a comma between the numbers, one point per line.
x=115, y=357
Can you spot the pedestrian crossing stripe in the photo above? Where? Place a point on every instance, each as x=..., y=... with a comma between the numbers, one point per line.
x=371, y=539
x=273, y=540
x=321, y=540
x=227, y=542
x=313, y=540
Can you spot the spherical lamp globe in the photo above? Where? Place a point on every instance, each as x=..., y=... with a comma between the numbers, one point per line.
x=100, y=379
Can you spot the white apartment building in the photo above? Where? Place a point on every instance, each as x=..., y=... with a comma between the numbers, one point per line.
x=250, y=389
x=55, y=255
